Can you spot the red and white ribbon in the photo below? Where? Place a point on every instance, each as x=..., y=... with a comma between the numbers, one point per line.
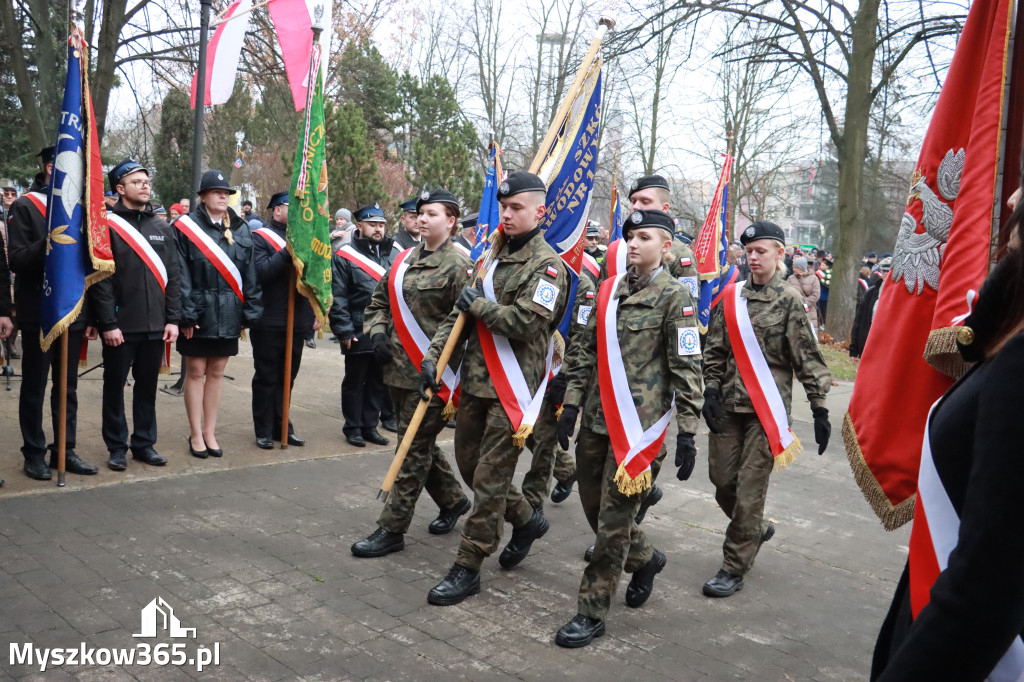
x=757, y=378
x=38, y=200
x=634, y=447
x=463, y=249
x=615, y=260
x=209, y=248
x=140, y=245
x=272, y=237
x=364, y=263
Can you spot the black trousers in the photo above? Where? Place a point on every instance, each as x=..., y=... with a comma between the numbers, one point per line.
x=268, y=346
x=36, y=366
x=362, y=393
x=142, y=357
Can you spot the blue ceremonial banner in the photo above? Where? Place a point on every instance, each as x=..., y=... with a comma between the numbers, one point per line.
x=712, y=251
x=76, y=244
x=490, y=210
x=615, y=230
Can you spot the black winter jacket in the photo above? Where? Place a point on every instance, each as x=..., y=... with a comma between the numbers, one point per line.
x=131, y=299
x=353, y=289
x=207, y=300
x=272, y=268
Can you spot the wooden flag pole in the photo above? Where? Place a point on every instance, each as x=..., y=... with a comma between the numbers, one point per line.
x=496, y=244
x=615, y=195
x=289, y=342
x=62, y=409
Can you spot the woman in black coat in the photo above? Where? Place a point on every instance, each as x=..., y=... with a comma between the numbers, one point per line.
x=972, y=619
x=220, y=295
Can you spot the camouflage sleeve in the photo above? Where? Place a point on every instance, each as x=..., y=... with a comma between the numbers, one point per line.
x=716, y=350
x=808, y=363
x=378, y=314
x=682, y=350
x=529, y=315
x=581, y=361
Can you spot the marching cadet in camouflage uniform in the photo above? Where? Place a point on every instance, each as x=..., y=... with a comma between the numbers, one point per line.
x=436, y=272
x=530, y=286
x=740, y=461
x=658, y=349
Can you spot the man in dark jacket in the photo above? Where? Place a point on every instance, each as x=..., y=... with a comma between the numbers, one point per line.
x=408, y=234
x=27, y=252
x=357, y=268
x=865, y=314
x=137, y=311
x=273, y=269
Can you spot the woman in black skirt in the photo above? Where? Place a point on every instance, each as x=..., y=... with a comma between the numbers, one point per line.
x=220, y=295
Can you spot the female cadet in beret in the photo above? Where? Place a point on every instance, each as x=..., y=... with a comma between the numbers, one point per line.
x=638, y=357
x=767, y=325
x=429, y=278
x=219, y=296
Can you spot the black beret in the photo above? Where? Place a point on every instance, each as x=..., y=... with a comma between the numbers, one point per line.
x=763, y=229
x=652, y=218
x=409, y=205
x=645, y=182
x=518, y=182
x=276, y=200
x=123, y=169
x=46, y=154
x=435, y=196
x=470, y=220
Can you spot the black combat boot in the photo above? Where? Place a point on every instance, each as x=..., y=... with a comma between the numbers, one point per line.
x=522, y=538
x=724, y=584
x=642, y=582
x=580, y=631
x=562, y=489
x=461, y=582
x=35, y=467
x=379, y=543
x=446, y=520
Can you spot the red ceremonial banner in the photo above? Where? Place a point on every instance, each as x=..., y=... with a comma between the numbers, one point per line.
x=941, y=254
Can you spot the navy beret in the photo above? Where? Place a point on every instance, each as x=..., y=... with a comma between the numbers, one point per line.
x=519, y=182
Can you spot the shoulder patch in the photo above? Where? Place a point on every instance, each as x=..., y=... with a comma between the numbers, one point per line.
x=691, y=285
x=583, y=316
x=686, y=262
x=687, y=311
x=546, y=294
x=551, y=271
x=590, y=294
x=688, y=342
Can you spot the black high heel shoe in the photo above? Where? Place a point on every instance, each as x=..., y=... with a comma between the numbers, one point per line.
x=215, y=452
x=201, y=454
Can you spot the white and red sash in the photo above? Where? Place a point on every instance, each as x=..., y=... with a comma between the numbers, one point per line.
x=510, y=384
x=615, y=260
x=140, y=245
x=271, y=238
x=933, y=538
x=38, y=200
x=863, y=282
x=414, y=341
x=220, y=260
x=592, y=266
x=634, y=447
x=757, y=378
x=364, y=263
x=463, y=249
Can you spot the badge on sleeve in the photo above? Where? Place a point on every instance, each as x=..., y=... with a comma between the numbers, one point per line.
x=583, y=316
x=689, y=341
x=685, y=262
x=546, y=294
x=552, y=271
x=691, y=285
x=590, y=294
x=687, y=311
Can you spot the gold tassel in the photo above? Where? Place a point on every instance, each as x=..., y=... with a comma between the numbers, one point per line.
x=787, y=456
x=631, y=486
x=244, y=337
x=521, y=434
x=892, y=516
x=449, y=411
x=942, y=353
x=558, y=412
x=164, y=369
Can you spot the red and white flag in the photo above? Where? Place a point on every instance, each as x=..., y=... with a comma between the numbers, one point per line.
x=223, y=53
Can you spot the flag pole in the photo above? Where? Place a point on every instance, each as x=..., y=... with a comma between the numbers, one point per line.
x=288, y=345
x=615, y=194
x=197, y=134
x=497, y=242
x=62, y=410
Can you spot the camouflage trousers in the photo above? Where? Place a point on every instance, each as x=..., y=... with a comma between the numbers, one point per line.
x=425, y=466
x=740, y=464
x=487, y=457
x=548, y=458
x=619, y=544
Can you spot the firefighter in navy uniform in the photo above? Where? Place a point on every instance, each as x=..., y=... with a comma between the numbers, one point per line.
x=273, y=267
x=137, y=311
x=26, y=229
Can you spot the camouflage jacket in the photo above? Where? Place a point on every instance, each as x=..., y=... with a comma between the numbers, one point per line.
x=431, y=285
x=520, y=279
x=582, y=307
x=784, y=334
x=650, y=324
x=683, y=266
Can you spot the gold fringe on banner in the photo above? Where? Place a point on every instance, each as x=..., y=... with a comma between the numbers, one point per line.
x=632, y=486
x=942, y=353
x=787, y=456
x=891, y=515
x=449, y=411
x=521, y=434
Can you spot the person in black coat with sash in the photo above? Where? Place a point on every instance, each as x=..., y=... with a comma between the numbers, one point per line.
x=220, y=295
x=971, y=622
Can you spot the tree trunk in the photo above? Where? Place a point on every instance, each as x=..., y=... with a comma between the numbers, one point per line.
x=11, y=41
x=106, y=49
x=852, y=153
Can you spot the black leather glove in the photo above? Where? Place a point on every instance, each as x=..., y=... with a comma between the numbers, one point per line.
x=822, y=428
x=686, y=455
x=469, y=294
x=428, y=379
x=712, y=409
x=556, y=388
x=382, y=349
x=567, y=424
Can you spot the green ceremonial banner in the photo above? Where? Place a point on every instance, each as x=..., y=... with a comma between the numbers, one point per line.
x=309, y=220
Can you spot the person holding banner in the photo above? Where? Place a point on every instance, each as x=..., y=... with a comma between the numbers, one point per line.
x=410, y=302
x=515, y=307
x=220, y=295
x=137, y=311
x=757, y=340
x=28, y=235
x=638, y=359
x=273, y=265
x=357, y=268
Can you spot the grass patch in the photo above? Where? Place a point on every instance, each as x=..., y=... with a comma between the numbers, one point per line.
x=839, y=361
